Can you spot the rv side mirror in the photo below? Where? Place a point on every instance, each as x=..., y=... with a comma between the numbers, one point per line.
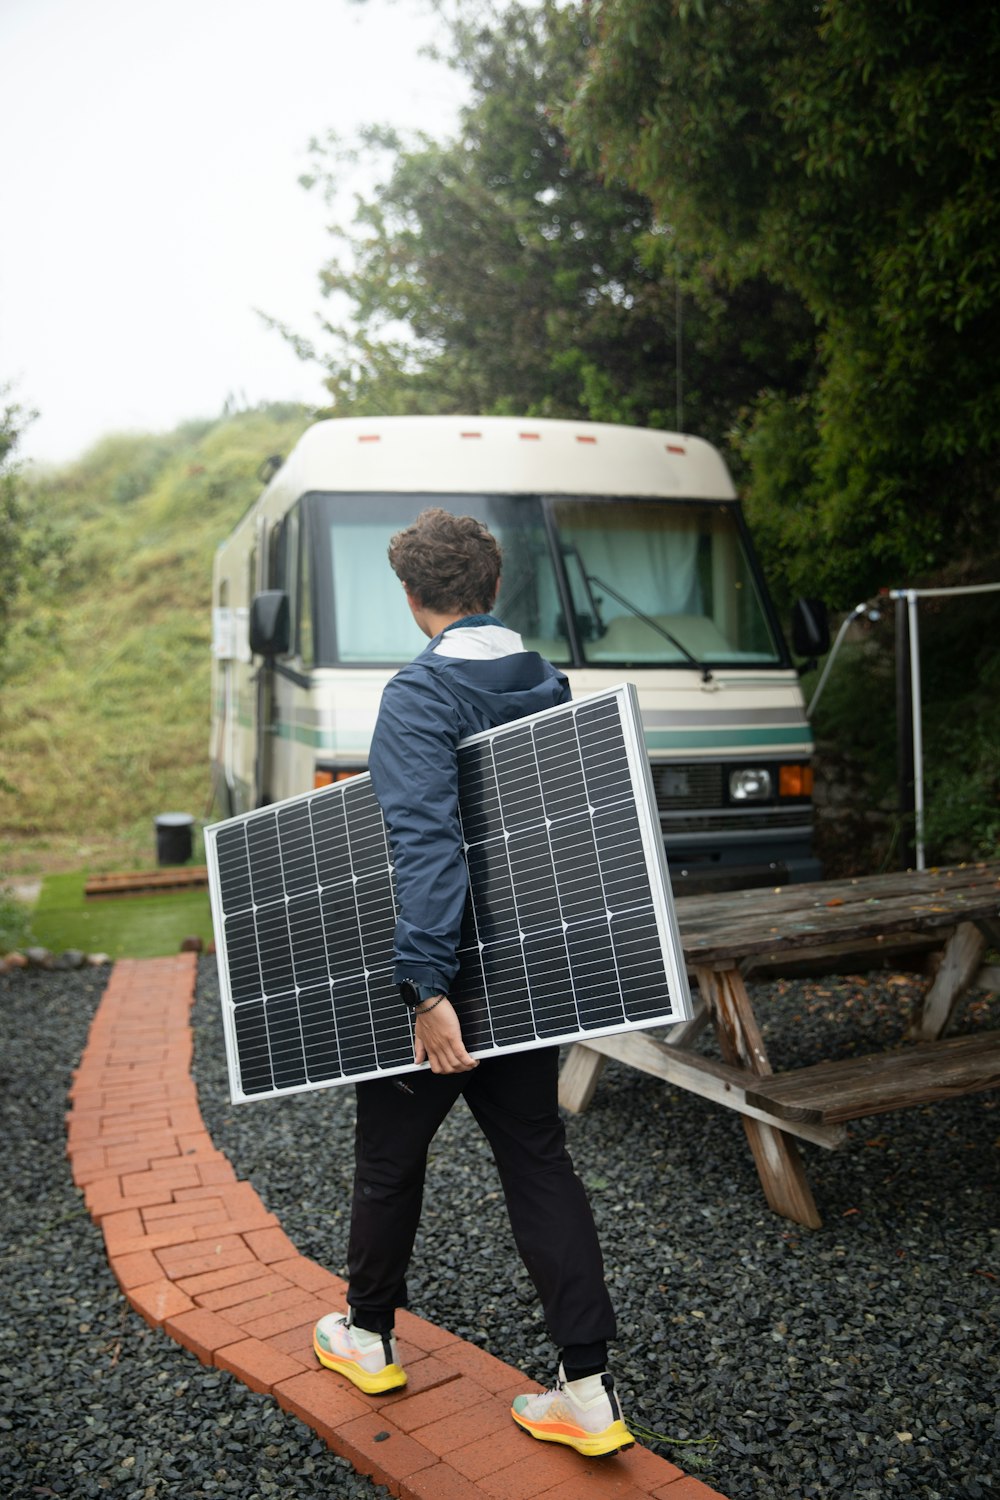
x=810, y=628
x=269, y=623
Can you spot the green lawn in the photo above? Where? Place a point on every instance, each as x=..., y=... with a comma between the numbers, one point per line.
x=124, y=927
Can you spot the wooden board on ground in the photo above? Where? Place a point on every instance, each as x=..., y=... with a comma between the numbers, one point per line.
x=147, y=882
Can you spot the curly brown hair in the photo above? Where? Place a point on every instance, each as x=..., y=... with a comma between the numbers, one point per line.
x=448, y=562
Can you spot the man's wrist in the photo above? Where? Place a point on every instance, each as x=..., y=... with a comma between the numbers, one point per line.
x=421, y=1010
x=413, y=993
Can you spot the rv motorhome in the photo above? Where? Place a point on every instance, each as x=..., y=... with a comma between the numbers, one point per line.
x=626, y=557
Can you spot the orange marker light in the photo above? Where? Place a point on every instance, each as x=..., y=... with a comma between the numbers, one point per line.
x=795, y=781
x=326, y=777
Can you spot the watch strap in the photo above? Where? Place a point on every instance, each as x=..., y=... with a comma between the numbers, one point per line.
x=413, y=994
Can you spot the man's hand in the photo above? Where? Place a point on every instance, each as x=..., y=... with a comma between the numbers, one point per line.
x=438, y=1040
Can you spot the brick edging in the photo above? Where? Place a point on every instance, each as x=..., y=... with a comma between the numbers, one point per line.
x=197, y=1254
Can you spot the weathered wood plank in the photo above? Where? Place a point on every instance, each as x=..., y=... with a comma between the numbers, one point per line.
x=833, y=1092
x=900, y=885
x=704, y=1076
x=686, y=1033
x=959, y=963
x=142, y=882
x=779, y=1165
x=579, y=1076
x=912, y=951
x=742, y=924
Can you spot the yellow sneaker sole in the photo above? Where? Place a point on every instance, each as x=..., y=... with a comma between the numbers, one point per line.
x=389, y=1379
x=614, y=1439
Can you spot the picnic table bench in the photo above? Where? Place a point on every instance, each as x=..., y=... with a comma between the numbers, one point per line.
x=725, y=937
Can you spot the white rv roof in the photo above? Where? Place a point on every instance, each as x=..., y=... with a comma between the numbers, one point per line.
x=505, y=455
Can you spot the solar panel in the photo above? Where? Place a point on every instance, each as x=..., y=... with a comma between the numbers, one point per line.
x=569, y=928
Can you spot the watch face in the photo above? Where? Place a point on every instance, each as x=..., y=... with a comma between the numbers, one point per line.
x=415, y=994
x=409, y=993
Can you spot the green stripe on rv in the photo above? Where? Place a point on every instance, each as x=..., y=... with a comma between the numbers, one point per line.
x=656, y=739
x=693, y=739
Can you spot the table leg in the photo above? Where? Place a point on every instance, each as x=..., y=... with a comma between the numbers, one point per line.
x=779, y=1165
x=582, y=1067
x=578, y=1079
x=959, y=965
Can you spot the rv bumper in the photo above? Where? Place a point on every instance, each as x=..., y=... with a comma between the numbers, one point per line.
x=700, y=871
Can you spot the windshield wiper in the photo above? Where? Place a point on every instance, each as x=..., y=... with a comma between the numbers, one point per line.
x=706, y=675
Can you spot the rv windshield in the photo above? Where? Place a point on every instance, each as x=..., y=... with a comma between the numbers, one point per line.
x=662, y=583
x=652, y=582
x=370, y=618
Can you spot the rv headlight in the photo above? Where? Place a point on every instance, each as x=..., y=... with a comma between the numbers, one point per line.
x=751, y=784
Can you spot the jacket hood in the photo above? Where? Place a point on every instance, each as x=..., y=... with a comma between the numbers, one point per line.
x=497, y=691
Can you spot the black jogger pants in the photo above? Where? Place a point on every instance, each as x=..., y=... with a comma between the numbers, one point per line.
x=514, y=1101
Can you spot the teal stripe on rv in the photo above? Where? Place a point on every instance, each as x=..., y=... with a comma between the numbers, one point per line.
x=718, y=739
x=694, y=739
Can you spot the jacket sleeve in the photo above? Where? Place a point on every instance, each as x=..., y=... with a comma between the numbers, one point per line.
x=414, y=769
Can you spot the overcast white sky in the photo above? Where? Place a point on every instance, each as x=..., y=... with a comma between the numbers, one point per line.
x=149, y=160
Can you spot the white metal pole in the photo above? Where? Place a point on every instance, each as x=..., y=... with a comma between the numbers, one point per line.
x=918, y=738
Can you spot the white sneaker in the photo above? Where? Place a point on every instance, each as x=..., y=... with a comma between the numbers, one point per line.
x=583, y=1414
x=368, y=1359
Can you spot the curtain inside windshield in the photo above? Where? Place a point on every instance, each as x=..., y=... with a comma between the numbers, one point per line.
x=372, y=623
x=659, y=583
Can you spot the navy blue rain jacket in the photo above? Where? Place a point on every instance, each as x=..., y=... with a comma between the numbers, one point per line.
x=460, y=684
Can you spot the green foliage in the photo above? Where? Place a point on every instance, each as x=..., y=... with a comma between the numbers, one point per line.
x=106, y=714
x=855, y=725
x=15, y=923
x=492, y=274
x=846, y=153
x=961, y=721
x=15, y=550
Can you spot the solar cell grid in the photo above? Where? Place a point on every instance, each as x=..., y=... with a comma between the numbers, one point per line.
x=568, y=930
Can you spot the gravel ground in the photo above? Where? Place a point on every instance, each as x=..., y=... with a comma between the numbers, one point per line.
x=856, y=1361
x=93, y=1402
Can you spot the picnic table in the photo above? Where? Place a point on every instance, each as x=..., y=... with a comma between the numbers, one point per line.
x=955, y=912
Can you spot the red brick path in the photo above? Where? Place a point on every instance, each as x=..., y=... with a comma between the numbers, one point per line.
x=197, y=1254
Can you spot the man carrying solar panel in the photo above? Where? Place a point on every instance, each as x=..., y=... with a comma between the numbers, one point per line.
x=474, y=675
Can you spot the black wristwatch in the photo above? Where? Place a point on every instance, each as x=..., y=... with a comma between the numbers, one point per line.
x=414, y=994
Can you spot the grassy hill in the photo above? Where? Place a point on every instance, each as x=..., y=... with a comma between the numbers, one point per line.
x=104, y=720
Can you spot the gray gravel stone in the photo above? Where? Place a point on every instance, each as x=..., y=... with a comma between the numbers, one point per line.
x=859, y=1359
x=93, y=1402
x=856, y=1361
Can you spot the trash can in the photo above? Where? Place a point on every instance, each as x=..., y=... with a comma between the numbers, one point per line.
x=174, y=838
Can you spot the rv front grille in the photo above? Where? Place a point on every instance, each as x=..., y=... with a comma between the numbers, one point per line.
x=694, y=784
x=691, y=798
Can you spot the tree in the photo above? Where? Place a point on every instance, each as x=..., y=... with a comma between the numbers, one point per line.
x=493, y=274
x=845, y=152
